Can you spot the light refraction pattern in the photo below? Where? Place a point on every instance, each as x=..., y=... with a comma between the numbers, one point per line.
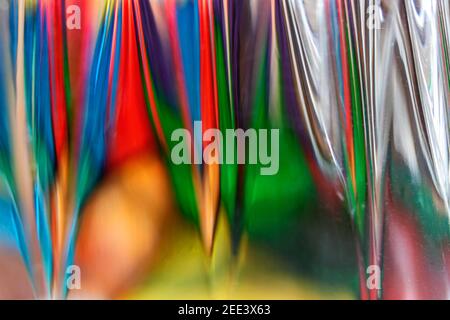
x=91, y=92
